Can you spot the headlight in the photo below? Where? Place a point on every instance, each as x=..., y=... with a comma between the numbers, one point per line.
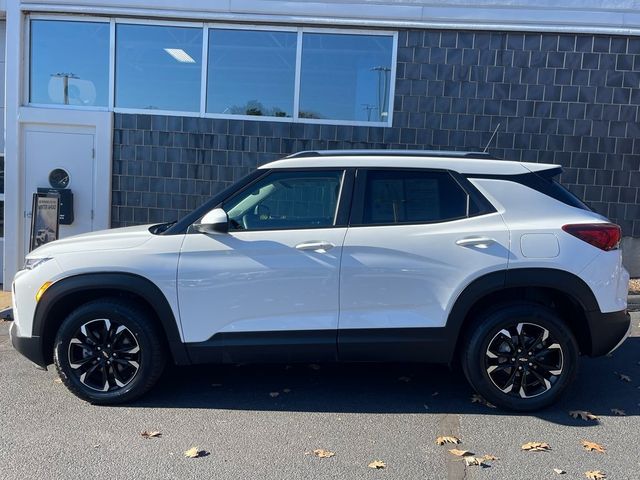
x=31, y=263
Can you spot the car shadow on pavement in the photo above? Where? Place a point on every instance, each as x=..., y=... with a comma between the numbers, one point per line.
x=601, y=386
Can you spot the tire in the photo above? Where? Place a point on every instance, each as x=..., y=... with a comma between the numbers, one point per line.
x=526, y=381
x=109, y=351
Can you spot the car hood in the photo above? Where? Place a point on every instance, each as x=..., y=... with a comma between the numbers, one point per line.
x=114, y=239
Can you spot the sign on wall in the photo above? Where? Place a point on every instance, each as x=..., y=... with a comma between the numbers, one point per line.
x=44, y=219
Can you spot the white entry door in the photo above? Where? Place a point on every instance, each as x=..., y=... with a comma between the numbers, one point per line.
x=72, y=150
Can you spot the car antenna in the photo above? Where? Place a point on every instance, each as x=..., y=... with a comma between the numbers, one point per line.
x=491, y=139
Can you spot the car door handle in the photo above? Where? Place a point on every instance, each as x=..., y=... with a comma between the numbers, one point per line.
x=320, y=247
x=480, y=242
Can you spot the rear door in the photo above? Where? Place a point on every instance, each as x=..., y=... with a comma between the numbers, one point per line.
x=417, y=238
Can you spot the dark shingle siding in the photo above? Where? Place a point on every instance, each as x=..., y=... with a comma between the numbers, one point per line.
x=569, y=99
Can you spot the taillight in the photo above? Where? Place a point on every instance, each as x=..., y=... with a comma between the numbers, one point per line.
x=605, y=236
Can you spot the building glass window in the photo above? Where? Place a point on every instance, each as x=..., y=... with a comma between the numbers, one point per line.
x=158, y=67
x=69, y=63
x=251, y=72
x=296, y=74
x=345, y=77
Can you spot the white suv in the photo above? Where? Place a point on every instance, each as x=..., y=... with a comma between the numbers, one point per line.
x=340, y=256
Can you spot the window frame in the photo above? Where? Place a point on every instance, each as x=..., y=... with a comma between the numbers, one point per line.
x=343, y=205
x=356, y=219
x=206, y=27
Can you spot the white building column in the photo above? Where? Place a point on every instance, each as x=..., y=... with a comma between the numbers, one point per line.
x=13, y=169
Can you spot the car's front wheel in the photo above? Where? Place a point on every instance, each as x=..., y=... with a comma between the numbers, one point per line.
x=109, y=351
x=520, y=356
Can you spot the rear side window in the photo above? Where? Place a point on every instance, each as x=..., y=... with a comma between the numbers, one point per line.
x=552, y=187
x=411, y=196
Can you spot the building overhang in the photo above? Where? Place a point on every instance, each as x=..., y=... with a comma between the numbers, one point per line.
x=574, y=16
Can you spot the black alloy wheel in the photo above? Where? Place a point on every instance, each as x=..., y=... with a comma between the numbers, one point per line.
x=109, y=351
x=104, y=355
x=524, y=360
x=520, y=356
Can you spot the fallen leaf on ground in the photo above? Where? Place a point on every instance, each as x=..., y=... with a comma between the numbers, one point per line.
x=404, y=379
x=194, y=452
x=377, y=464
x=216, y=385
x=623, y=377
x=595, y=475
x=274, y=394
x=559, y=471
x=426, y=407
x=490, y=458
x=97, y=445
x=146, y=434
x=536, y=447
x=618, y=412
x=475, y=398
x=286, y=390
x=470, y=461
x=435, y=394
x=583, y=414
x=314, y=366
x=322, y=453
x=592, y=446
x=460, y=453
x=447, y=439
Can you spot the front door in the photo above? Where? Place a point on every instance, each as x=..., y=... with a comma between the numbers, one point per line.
x=268, y=289
x=70, y=151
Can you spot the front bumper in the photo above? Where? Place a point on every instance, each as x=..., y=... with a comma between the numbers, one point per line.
x=608, y=331
x=30, y=347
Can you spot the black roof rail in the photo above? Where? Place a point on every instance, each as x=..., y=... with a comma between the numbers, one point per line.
x=392, y=153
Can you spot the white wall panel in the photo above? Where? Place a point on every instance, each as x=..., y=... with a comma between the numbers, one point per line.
x=622, y=16
x=2, y=68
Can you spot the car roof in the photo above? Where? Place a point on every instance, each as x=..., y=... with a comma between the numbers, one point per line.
x=478, y=163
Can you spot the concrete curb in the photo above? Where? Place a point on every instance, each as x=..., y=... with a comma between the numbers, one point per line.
x=634, y=300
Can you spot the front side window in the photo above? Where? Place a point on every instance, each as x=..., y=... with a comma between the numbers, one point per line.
x=410, y=196
x=287, y=200
x=69, y=63
x=158, y=67
x=251, y=72
x=345, y=77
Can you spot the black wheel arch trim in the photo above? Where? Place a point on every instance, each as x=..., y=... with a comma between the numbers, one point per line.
x=127, y=283
x=560, y=280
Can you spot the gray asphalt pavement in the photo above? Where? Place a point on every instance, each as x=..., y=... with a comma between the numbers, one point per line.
x=360, y=412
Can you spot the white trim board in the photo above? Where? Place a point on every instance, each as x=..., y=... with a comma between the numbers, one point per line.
x=576, y=16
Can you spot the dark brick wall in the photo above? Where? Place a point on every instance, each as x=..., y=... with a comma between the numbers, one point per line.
x=566, y=99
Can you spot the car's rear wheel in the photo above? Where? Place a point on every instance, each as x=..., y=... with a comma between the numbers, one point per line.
x=520, y=356
x=109, y=351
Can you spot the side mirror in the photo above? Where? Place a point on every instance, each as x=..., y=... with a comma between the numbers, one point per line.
x=216, y=221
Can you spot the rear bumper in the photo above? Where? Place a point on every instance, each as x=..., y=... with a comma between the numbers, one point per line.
x=608, y=331
x=30, y=347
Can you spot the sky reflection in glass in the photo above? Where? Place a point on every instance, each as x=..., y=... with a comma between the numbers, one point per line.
x=69, y=63
x=251, y=72
x=345, y=77
x=158, y=67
